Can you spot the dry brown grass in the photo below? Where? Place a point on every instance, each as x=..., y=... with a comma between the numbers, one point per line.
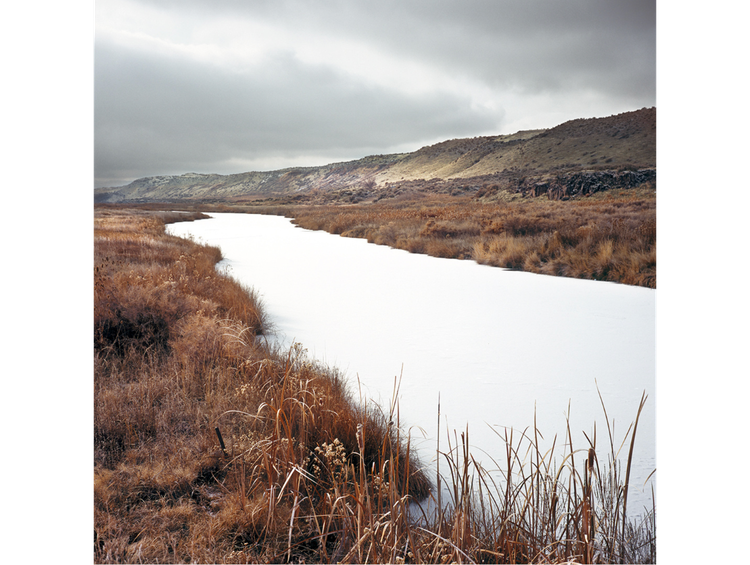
x=178, y=353
x=609, y=237
x=306, y=472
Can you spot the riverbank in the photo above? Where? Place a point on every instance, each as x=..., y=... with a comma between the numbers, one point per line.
x=611, y=237
x=608, y=236
x=180, y=367
x=174, y=361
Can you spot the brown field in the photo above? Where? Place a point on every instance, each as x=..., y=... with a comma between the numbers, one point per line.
x=610, y=237
x=211, y=446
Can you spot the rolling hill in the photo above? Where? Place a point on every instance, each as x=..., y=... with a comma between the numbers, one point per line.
x=576, y=157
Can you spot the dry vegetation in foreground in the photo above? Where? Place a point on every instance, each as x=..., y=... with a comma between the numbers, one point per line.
x=211, y=446
x=610, y=236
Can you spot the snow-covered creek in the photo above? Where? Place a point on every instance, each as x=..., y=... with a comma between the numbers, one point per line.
x=494, y=344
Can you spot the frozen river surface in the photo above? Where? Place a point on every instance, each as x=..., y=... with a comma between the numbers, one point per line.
x=493, y=343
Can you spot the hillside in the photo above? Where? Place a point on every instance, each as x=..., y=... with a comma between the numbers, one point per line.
x=548, y=160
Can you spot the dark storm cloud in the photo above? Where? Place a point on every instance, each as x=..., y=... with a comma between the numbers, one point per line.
x=227, y=86
x=532, y=45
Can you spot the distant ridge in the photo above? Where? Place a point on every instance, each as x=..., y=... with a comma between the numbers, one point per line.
x=524, y=160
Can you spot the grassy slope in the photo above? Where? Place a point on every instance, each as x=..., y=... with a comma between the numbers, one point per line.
x=177, y=355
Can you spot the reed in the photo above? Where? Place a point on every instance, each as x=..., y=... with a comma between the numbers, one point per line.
x=306, y=469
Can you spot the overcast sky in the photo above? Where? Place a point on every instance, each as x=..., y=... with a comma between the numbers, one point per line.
x=228, y=86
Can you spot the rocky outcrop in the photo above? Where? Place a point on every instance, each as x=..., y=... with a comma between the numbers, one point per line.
x=585, y=182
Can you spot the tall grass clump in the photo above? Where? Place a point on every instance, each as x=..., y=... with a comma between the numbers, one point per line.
x=534, y=504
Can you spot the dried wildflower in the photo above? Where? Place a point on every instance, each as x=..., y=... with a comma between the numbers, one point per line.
x=380, y=487
x=333, y=459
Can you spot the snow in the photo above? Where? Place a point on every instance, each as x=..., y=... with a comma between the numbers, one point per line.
x=494, y=344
